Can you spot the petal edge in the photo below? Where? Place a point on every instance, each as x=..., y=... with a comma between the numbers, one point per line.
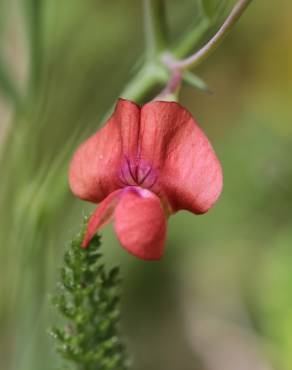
x=140, y=224
x=101, y=216
x=190, y=173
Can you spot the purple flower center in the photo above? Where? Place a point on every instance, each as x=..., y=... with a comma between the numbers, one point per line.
x=136, y=172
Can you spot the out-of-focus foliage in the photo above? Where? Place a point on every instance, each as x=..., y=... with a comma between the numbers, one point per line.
x=212, y=7
x=221, y=298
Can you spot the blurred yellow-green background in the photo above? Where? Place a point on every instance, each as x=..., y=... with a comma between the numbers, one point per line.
x=221, y=299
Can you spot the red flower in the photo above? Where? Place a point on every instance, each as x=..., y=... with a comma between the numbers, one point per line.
x=143, y=165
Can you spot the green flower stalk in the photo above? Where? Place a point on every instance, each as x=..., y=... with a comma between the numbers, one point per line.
x=88, y=298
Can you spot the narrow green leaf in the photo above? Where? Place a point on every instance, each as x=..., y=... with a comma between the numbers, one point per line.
x=213, y=8
x=34, y=10
x=7, y=84
x=196, y=82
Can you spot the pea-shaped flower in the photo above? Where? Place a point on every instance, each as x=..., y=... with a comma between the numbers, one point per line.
x=145, y=164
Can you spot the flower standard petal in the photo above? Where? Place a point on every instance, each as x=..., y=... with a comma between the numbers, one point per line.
x=94, y=167
x=140, y=224
x=190, y=174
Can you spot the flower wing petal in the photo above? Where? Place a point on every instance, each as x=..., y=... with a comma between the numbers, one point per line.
x=190, y=174
x=93, y=172
x=101, y=216
x=140, y=224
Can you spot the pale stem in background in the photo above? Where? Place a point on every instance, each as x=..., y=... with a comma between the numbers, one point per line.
x=171, y=90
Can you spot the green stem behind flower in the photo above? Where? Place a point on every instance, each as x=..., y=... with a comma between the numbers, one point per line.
x=155, y=27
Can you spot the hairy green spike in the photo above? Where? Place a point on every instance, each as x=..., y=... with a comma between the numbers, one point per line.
x=88, y=299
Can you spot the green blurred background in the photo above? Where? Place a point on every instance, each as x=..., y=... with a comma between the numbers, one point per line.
x=221, y=299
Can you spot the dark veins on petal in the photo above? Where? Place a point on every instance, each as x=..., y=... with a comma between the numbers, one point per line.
x=136, y=172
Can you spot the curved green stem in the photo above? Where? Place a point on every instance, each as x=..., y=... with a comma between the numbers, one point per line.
x=215, y=41
x=154, y=72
